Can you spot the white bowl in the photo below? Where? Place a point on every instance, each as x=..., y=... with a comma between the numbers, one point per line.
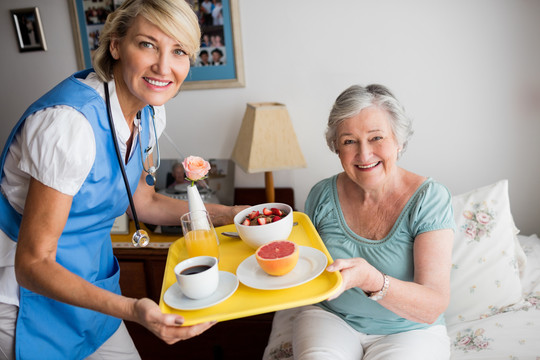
x=258, y=235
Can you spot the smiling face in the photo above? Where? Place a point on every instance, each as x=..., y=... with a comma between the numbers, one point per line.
x=150, y=66
x=367, y=147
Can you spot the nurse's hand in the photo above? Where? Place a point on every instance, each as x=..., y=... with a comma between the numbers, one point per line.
x=165, y=326
x=222, y=214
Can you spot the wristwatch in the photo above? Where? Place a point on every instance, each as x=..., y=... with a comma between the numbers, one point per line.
x=378, y=295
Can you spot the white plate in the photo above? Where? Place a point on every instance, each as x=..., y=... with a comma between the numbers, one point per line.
x=228, y=283
x=311, y=263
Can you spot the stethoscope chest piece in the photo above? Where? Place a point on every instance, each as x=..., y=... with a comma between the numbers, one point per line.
x=150, y=179
x=140, y=238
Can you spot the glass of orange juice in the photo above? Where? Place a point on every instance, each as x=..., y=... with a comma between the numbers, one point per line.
x=199, y=234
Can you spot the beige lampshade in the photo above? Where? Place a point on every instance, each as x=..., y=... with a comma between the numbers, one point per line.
x=266, y=140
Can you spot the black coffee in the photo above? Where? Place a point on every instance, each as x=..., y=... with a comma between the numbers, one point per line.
x=194, y=269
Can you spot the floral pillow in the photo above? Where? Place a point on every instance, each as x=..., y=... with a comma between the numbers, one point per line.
x=486, y=255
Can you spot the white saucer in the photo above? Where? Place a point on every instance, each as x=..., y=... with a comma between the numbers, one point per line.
x=311, y=263
x=228, y=283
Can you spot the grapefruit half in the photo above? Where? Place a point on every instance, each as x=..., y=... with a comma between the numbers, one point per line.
x=277, y=257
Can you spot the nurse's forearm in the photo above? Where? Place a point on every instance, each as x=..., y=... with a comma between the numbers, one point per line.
x=158, y=209
x=48, y=278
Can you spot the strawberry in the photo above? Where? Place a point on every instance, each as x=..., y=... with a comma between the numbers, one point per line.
x=277, y=212
x=267, y=212
x=246, y=222
x=252, y=215
x=276, y=218
x=261, y=221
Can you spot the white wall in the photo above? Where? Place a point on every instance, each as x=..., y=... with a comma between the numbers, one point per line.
x=468, y=72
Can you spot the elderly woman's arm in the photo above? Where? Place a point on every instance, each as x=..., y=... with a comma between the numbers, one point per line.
x=422, y=300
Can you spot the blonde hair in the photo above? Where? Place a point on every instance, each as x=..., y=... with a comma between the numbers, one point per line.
x=174, y=17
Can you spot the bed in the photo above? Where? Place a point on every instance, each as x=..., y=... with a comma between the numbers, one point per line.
x=494, y=310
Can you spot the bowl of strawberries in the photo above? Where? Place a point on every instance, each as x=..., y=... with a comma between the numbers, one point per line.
x=263, y=223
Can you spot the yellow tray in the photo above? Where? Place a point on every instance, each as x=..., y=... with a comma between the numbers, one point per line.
x=247, y=301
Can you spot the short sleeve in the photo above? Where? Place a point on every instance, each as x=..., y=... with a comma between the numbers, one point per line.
x=58, y=148
x=161, y=119
x=319, y=203
x=433, y=210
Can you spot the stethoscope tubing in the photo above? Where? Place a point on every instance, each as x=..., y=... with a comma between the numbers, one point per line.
x=119, y=157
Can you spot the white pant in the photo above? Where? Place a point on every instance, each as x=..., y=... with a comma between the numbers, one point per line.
x=319, y=334
x=119, y=346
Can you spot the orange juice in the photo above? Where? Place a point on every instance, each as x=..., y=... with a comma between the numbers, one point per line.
x=202, y=242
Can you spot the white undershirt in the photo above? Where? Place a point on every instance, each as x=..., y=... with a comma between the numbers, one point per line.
x=56, y=146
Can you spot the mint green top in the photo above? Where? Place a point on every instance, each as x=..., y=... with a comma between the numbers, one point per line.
x=429, y=209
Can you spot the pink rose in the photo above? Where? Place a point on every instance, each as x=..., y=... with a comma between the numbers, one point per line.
x=481, y=343
x=471, y=231
x=464, y=340
x=483, y=218
x=196, y=168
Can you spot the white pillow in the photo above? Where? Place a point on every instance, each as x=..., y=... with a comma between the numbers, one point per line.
x=486, y=255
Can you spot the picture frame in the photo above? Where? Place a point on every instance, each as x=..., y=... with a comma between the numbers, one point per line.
x=29, y=30
x=121, y=225
x=88, y=17
x=220, y=180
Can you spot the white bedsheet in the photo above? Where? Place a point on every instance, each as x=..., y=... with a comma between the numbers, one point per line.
x=511, y=333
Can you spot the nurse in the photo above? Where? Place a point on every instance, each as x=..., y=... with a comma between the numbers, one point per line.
x=62, y=188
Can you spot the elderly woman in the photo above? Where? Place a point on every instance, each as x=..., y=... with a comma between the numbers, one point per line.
x=62, y=187
x=391, y=233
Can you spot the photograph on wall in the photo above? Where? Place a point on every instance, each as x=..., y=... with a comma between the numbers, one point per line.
x=213, y=51
x=217, y=63
x=28, y=28
x=95, y=14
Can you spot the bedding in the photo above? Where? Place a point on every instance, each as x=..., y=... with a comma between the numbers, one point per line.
x=509, y=332
x=494, y=312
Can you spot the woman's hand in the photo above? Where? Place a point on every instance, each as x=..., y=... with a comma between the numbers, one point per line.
x=356, y=272
x=422, y=300
x=165, y=326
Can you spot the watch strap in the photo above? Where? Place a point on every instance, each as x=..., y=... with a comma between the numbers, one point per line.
x=379, y=295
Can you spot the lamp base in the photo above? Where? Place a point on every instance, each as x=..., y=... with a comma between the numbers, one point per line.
x=269, y=186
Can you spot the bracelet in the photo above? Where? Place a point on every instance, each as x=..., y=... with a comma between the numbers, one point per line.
x=379, y=295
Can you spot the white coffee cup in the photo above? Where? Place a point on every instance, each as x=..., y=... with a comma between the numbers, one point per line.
x=198, y=277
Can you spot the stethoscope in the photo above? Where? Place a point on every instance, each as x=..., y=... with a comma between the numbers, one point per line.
x=140, y=237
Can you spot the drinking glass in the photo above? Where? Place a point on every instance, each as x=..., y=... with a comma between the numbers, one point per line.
x=199, y=234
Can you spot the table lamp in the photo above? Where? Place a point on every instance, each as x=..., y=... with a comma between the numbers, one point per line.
x=267, y=142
